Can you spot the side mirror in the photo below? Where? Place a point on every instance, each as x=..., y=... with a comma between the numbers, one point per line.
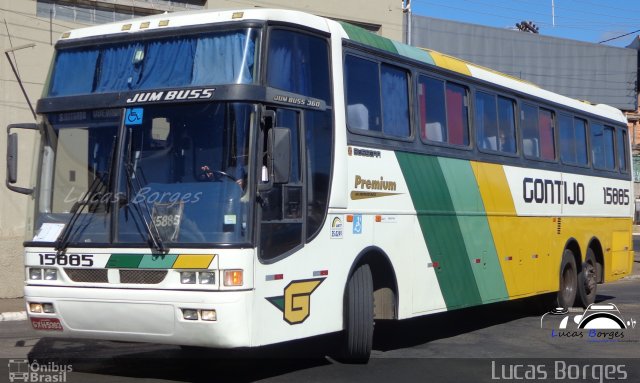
x=12, y=157
x=281, y=154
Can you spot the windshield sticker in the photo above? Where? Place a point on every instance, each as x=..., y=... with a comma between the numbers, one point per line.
x=167, y=218
x=49, y=232
x=134, y=116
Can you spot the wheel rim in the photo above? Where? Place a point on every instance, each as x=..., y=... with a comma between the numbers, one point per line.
x=568, y=284
x=590, y=282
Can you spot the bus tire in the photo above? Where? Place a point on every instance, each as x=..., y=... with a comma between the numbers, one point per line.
x=358, y=316
x=587, y=281
x=568, y=280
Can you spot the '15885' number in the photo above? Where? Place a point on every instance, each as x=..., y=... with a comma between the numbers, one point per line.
x=613, y=196
x=66, y=259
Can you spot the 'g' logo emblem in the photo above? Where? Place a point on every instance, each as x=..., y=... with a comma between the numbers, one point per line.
x=295, y=304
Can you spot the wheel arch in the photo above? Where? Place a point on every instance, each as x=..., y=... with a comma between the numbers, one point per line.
x=385, y=282
x=573, y=245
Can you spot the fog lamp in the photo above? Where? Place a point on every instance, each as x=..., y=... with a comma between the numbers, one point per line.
x=208, y=315
x=190, y=314
x=48, y=308
x=35, y=307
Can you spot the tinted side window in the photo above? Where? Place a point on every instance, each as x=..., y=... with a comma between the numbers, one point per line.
x=622, y=149
x=319, y=140
x=573, y=140
x=432, y=109
x=299, y=63
x=506, y=125
x=602, y=147
x=580, y=127
x=486, y=121
x=457, y=115
x=363, y=94
x=538, y=139
x=395, y=101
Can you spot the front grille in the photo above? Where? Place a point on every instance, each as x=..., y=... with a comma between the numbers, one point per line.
x=87, y=275
x=142, y=277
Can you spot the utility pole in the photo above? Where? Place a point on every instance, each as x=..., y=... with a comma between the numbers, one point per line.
x=406, y=10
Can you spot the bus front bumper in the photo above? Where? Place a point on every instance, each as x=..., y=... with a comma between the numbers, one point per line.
x=140, y=315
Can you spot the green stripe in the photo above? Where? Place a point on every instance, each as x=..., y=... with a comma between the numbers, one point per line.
x=124, y=261
x=150, y=261
x=414, y=53
x=440, y=228
x=363, y=36
x=474, y=226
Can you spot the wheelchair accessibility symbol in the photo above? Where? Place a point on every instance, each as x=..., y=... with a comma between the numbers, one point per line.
x=133, y=116
x=357, y=224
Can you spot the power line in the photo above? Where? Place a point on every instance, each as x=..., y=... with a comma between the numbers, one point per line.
x=617, y=37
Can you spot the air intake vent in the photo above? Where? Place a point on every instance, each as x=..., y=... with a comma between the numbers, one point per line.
x=142, y=277
x=87, y=275
x=559, y=227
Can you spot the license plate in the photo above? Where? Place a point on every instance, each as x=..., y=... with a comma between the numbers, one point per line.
x=48, y=324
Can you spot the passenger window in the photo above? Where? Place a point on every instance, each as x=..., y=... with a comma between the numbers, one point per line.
x=457, y=115
x=538, y=139
x=432, y=109
x=363, y=94
x=496, y=130
x=395, y=101
x=573, y=140
x=622, y=150
x=444, y=113
x=602, y=147
x=299, y=63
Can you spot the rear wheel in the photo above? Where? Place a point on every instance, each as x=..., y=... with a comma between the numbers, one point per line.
x=587, y=281
x=568, y=280
x=358, y=317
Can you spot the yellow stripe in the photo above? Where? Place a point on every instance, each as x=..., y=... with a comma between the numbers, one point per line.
x=193, y=261
x=449, y=62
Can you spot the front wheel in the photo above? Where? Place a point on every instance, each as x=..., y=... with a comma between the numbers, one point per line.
x=358, y=316
x=568, y=280
x=587, y=281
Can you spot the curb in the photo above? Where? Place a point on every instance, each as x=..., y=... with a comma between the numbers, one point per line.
x=13, y=316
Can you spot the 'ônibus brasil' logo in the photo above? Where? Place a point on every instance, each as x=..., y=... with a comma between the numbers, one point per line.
x=295, y=304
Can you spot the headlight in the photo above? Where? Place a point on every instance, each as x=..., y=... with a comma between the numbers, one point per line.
x=190, y=314
x=35, y=274
x=50, y=274
x=188, y=277
x=207, y=277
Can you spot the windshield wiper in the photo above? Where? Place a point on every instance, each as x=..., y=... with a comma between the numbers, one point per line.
x=155, y=238
x=76, y=210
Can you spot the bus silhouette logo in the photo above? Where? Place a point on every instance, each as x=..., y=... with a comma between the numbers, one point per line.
x=595, y=317
x=18, y=370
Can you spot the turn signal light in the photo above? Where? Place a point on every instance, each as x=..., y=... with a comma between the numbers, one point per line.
x=233, y=278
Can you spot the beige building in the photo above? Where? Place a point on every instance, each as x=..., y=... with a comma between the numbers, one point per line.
x=31, y=28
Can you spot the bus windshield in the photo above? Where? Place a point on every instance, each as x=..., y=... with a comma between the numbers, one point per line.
x=180, y=176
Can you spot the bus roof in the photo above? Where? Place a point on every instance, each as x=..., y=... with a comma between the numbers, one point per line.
x=348, y=31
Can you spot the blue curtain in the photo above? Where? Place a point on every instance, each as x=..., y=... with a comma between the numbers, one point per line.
x=289, y=62
x=395, y=102
x=224, y=59
x=74, y=72
x=117, y=69
x=167, y=63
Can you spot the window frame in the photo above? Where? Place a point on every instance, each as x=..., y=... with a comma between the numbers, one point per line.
x=468, y=92
x=516, y=125
x=380, y=61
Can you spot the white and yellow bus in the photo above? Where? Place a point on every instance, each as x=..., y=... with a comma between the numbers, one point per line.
x=243, y=178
